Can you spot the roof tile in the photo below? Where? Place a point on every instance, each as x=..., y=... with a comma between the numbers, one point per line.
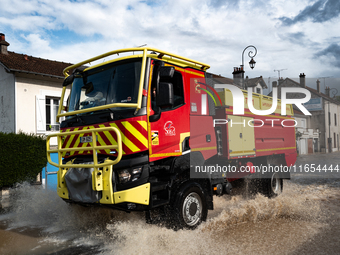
x=21, y=62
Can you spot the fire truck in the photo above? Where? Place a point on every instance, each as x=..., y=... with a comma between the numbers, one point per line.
x=147, y=130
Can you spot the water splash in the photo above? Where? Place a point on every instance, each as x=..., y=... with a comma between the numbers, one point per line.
x=237, y=225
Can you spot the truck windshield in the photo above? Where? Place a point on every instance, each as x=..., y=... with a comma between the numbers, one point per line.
x=109, y=84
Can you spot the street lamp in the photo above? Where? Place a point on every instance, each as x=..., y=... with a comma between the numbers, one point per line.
x=250, y=54
x=251, y=62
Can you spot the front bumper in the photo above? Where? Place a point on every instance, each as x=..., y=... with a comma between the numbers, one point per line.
x=102, y=182
x=100, y=174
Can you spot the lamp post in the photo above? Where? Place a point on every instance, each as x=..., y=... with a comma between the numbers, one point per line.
x=335, y=92
x=251, y=62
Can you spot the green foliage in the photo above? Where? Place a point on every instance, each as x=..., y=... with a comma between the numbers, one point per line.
x=22, y=157
x=298, y=134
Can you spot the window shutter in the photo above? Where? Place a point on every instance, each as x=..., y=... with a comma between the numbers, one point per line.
x=62, y=108
x=40, y=105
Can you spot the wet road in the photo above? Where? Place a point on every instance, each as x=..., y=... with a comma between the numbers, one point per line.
x=305, y=219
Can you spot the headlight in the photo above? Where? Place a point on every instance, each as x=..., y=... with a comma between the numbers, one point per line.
x=136, y=173
x=124, y=176
x=132, y=174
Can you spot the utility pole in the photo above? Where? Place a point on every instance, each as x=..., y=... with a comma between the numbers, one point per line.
x=279, y=72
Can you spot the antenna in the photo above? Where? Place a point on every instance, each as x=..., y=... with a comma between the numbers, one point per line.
x=324, y=80
x=279, y=71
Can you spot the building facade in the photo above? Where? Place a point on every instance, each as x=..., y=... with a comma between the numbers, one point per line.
x=324, y=120
x=30, y=90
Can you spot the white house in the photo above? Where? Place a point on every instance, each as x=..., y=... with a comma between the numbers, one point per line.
x=30, y=90
x=307, y=138
x=320, y=131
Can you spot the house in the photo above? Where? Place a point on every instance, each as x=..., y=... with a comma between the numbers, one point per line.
x=323, y=121
x=307, y=139
x=257, y=84
x=212, y=79
x=30, y=90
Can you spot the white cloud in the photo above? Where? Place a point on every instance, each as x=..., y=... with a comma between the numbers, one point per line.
x=211, y=31
x=37, y=44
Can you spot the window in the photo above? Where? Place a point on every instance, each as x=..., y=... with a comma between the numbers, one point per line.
x=46, y=112
x=178, y=89
x=335, y=119
x=177, y=82
x=52, y=105
x=114, y=83
x=258, y=90
x=334, y=140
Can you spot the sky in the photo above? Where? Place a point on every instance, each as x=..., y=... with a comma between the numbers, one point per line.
x=294, y=36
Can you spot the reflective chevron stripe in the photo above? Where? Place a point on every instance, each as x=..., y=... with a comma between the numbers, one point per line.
x=134, y=138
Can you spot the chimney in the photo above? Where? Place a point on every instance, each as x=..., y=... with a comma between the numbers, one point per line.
x=3, y=44
x=303, y=80
x=238, y=76
x=274, y=83
x=327, y=90
x=318, y=86
x=280, y=80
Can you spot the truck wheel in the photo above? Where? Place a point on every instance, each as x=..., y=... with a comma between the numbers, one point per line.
x=190, y=207
x=272, y=186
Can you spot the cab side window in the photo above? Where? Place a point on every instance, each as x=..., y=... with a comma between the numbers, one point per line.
x=177, y=81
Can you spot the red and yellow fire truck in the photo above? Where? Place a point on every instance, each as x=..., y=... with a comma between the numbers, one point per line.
x=145, y=130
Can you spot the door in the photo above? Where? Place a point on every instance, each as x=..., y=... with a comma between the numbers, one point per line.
x=170, y=130
x=310, y=145
x=241, y=136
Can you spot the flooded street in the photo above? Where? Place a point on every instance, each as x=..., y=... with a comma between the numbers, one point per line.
x=305, y=219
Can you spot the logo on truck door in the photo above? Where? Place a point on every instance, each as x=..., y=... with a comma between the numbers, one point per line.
x=169, y=129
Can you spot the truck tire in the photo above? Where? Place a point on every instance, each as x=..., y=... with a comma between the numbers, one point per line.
x=190, y=207
x=272, y=186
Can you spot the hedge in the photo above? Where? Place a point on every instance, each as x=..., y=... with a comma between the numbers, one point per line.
x=22, y=157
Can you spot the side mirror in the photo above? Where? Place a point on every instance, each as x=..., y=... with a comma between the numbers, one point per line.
x=165, y=95
x=68, y=80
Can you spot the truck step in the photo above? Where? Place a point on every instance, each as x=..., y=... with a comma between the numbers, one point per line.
x=157, y=203
x=159, y=186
